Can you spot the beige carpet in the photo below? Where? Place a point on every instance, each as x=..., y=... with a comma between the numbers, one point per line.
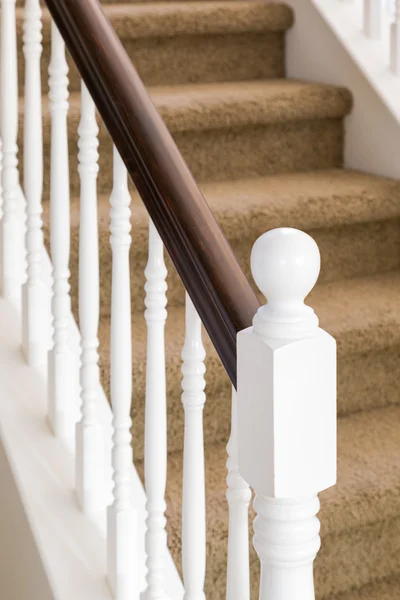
x=267, y=152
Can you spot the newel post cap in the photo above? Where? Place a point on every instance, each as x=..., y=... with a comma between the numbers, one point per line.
x=285, y=265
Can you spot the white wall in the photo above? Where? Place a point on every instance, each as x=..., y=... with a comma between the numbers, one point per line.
x=317, y=53
x=22, y=576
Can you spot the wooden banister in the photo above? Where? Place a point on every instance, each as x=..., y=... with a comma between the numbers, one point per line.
x=223, y=297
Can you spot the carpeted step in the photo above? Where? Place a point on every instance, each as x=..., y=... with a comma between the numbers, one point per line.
x=180, y=42
x=381, y=590
x=362, y=314
x=234, y=130
x=360, y=517
x=354, y=217
x=21, y=3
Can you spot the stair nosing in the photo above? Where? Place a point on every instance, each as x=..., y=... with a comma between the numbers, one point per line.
x=140, y=20
x=185, y=108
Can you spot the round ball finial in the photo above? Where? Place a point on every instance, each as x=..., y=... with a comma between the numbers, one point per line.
x=285, y=264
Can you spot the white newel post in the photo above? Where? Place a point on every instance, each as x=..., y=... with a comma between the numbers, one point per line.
x=193, y=499
x=395, y=40
x=156, y=417
x=238, y=495
x=62, y=364
x=287, y=413
x=89, y=432
x=35, y=295
x=373, y=13
x=122, y=555
x=13, y=222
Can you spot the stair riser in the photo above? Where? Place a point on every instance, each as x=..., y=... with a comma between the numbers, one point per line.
x=376, y=389
x=348, y=251
x=259, y=150
x=189, y=59
x=225, y=153
x=360, y=557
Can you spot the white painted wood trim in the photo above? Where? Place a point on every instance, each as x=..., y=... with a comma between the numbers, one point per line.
x=63, y=365
x=238, y=495
x=13, y=221
x=347, y=58
x=89, y=432
x=193, y=485
x=155, y=417
x=76, y=567
x=35, y=295
x=122, y=524
x=287, y=541
x=286, y=390
x=372, y=21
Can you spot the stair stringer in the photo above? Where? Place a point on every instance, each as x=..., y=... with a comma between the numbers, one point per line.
x=326, y=45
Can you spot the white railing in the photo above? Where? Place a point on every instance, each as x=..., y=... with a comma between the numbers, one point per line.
x=283, y=435
x=156, y=417
x=121, y=517
x=13, y=218
x=381, y=21
x=89, y=438
x=62, y=365
x=35, y=305
x=377, y=21
x=370, y=31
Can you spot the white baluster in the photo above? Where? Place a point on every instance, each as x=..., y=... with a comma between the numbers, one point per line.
x=238, y=495
x=389, y=7
x=89, y=432
x=193, y=501
x=156, y=417
x=62, y=364
x=373, y=13
x=395, y=40
x=287, y=413
x=13, y=225
x=1, y=208
x=121, y=517
x=35, y=295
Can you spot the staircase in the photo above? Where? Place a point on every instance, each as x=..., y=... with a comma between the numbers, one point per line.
x=267, y=152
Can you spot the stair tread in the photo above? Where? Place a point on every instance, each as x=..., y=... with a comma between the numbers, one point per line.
x=20, y=3
x=363, y=314
x=213, y=105
x=345, y=211
x=368, y=471
x=309, y=200
x=198, y=107
x=380, y=590
x=368, y=487
x=367, y=494
x=359, y=326
x=168, y=19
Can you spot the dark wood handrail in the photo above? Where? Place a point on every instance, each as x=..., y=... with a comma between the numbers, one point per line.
x=200, y=252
